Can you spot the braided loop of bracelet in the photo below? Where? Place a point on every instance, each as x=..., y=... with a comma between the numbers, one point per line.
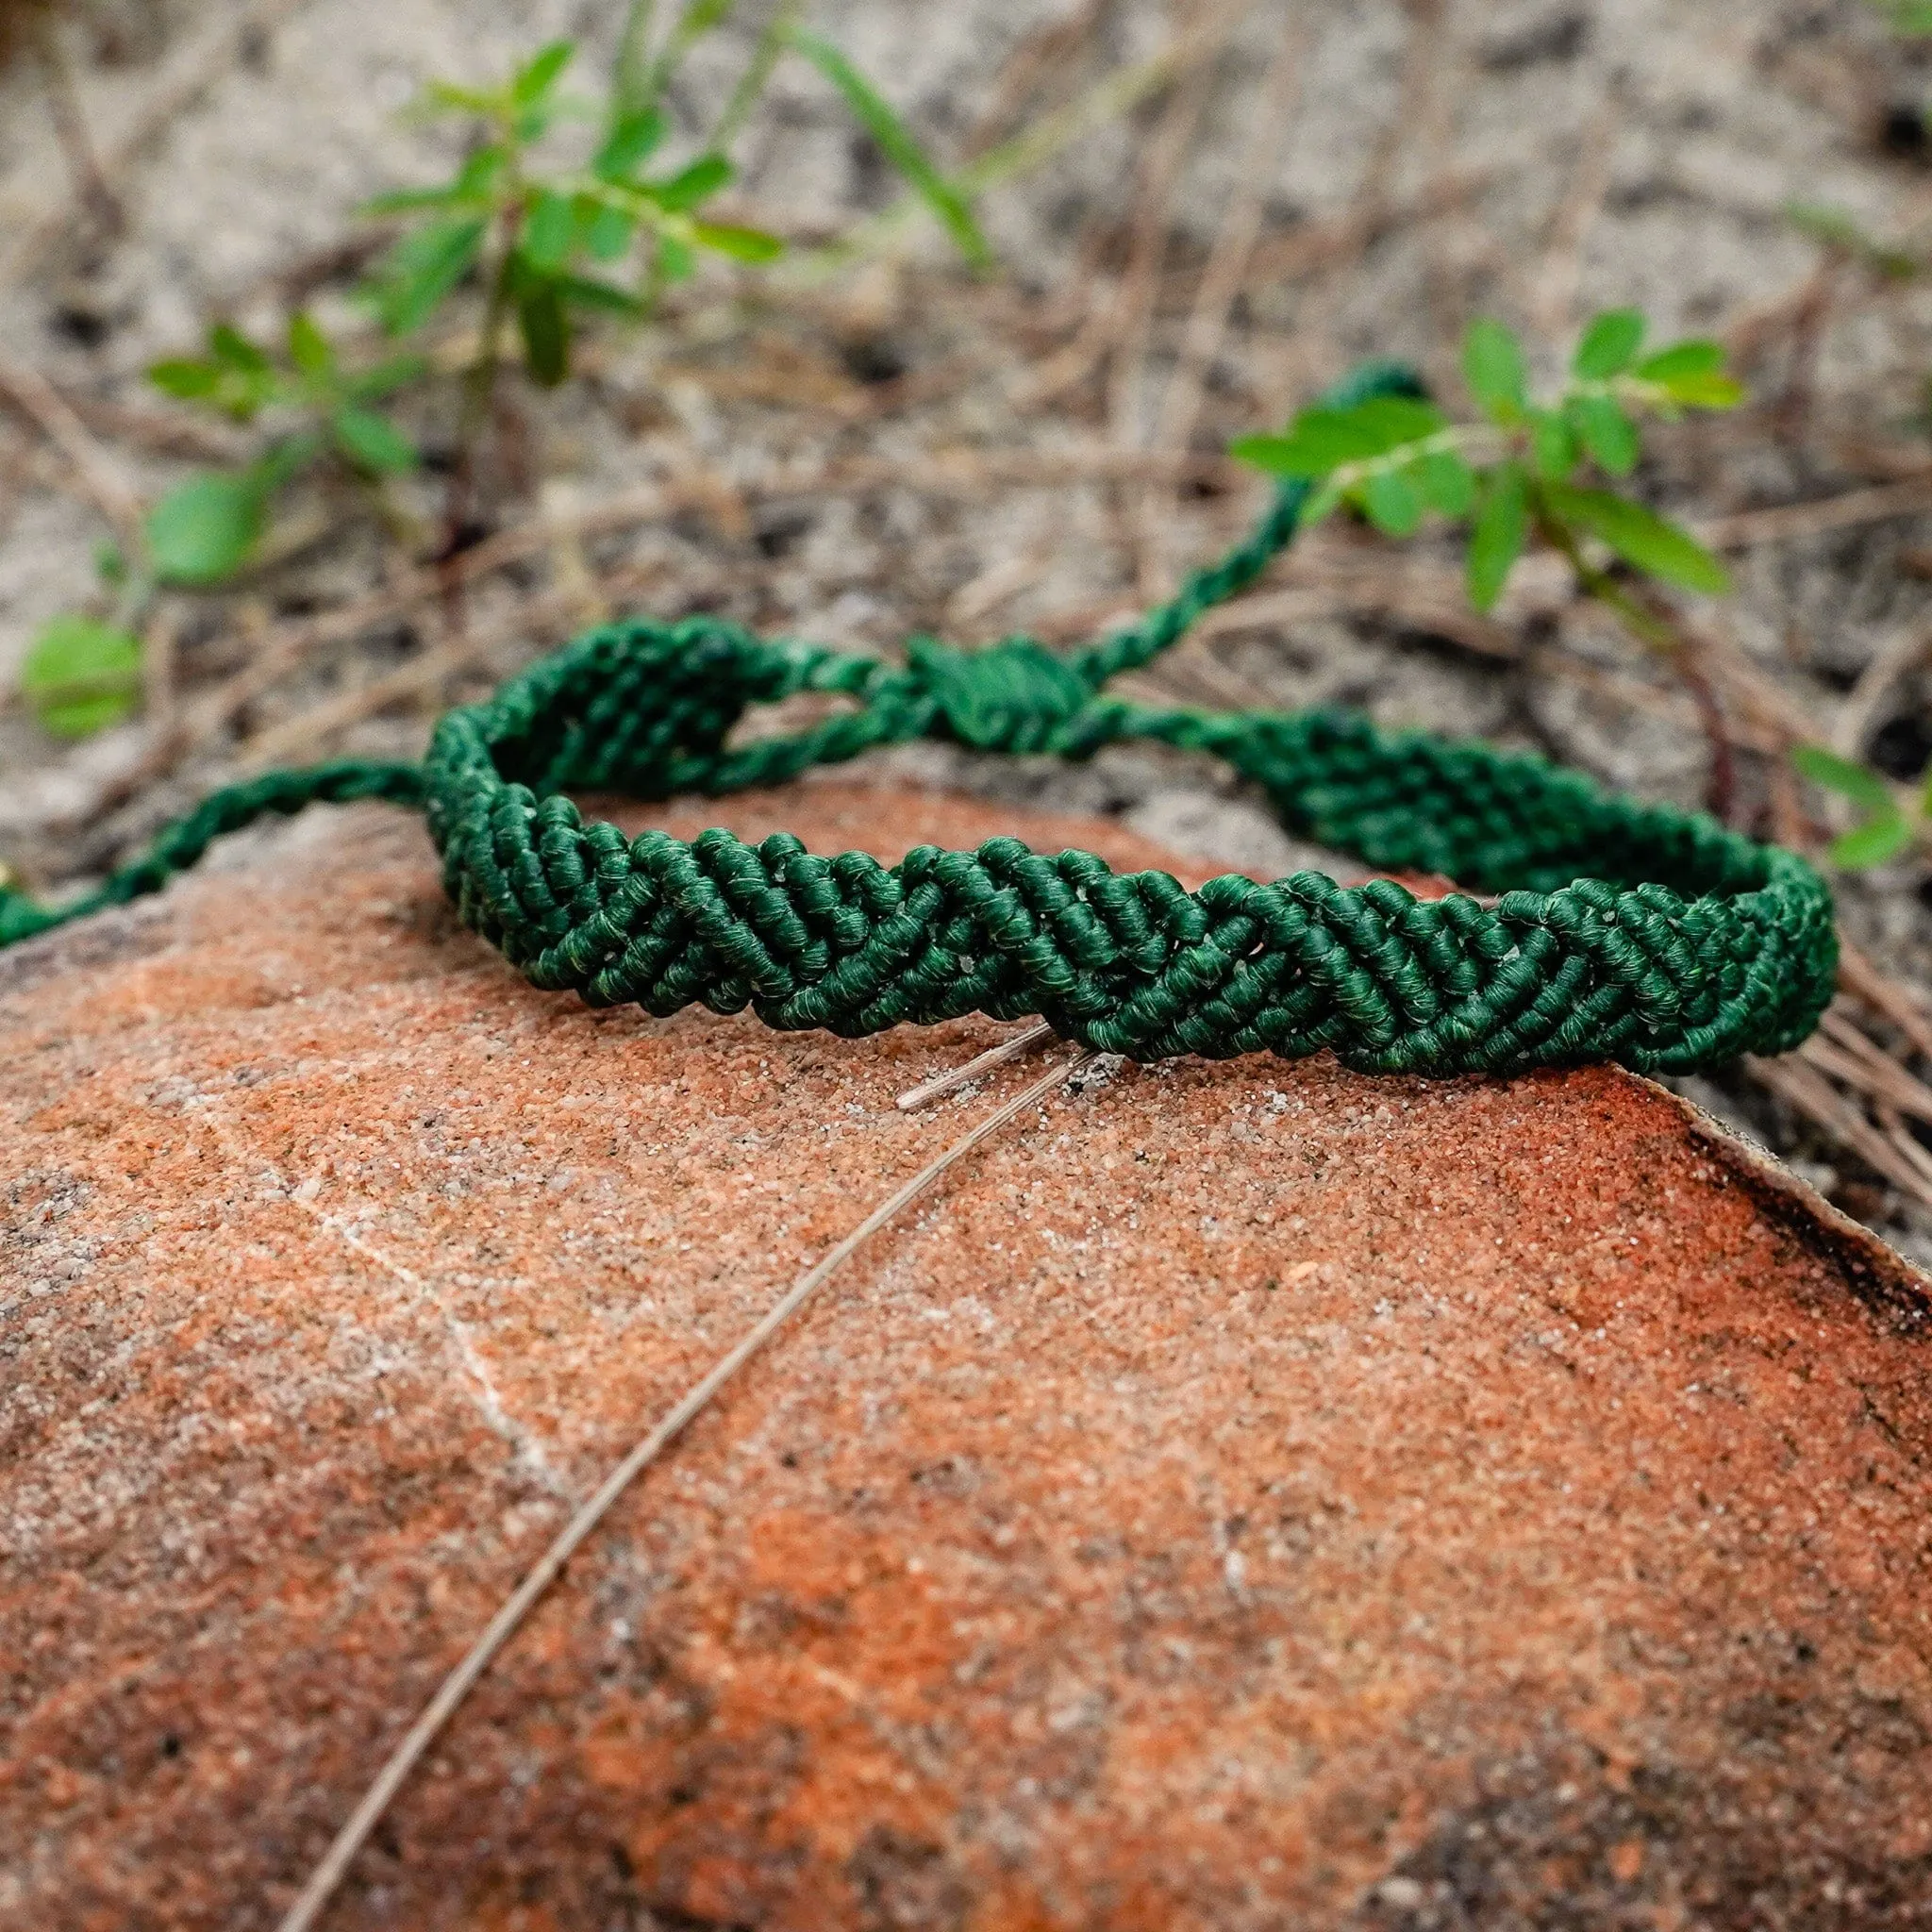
x=1620, y=931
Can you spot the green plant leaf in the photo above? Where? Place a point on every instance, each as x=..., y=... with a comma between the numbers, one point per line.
x=1836, y=229
x=632, y=141
x=1715, y=392
x=1392, y=503
x=228, y=346
x=1875, y=843
x=235, y=376
x=549, y=232
x=186, y=378
x=1652, y=543
x=1502, y=522
x=1447, y=483
x=545, y=330
x=205, y=528
x=699, y=18
x=82, y=676
x=1682, y=359
x=741, y=245
x=408, y=201
x=1693, y=374
x=386, y=377
x=453, y=99
x=609, y=232
x=1305, y=451
x=422, y=268
x=676, y=261
x=1606, y=432
x=1846, y=777
x=1493, y=366
x=308, y=348
x=1283, y=457
x=897, y=143
x=1552, y=445
x=1609, y=345
x=472, y=187
x=1387, y=422
x=690, y=186
x=370, y=442
x=541, y=72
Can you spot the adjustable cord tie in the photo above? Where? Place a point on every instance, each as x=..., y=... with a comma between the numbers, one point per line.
x=1015, y=696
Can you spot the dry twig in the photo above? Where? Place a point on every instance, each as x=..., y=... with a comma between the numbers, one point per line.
x=88, y=180
x=1901, y=653
x=1553, y=298
x=1228, y=261
x=1132, y=312
x=559, y=611
x=188, y=71
x=51, y=413
x=1800, y=1084
x=1787, y=522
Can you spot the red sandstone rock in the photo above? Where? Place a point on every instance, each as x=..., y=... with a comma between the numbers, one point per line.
x=1245, y=1496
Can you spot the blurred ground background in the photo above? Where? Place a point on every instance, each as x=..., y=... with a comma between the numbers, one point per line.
x=900, y=444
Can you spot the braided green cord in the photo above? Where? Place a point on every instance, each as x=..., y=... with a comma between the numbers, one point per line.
x=1620, y=930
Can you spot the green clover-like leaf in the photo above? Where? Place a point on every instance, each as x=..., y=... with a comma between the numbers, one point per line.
x=1496, y=370
x=1609, y=345
x=1606, y=432
x=422, y=268
x=633, y=138
x=1502, y=523
x=1392, y=503
x=1653, y=543
x=372, y=442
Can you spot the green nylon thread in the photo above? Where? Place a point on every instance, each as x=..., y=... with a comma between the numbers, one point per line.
x=1620, y=930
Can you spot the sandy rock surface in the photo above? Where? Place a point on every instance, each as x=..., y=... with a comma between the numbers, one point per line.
x=1245, y=1495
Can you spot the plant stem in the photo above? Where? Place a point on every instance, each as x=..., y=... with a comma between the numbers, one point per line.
x=479, y=379
x=696, y=20
x=752, y=83
x=1653, y=628
x=1110, y=99
x=630, y=72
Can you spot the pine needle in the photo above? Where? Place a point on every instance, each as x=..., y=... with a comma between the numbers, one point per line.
x=334, y=1865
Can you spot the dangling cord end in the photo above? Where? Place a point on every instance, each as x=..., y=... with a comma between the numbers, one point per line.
x=20, y=918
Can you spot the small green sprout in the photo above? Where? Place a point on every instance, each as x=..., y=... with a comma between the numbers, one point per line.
x=1839, y=230
x=1514, y=474
x=549, y=241
x=556, y=244
x=208, y=526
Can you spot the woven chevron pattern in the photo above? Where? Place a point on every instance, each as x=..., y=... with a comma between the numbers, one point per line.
x=1611, y=929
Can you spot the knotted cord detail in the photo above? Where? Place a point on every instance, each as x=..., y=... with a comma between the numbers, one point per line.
x=1618, y=930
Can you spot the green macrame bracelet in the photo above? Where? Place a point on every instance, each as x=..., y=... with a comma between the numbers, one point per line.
x=1623, y=931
